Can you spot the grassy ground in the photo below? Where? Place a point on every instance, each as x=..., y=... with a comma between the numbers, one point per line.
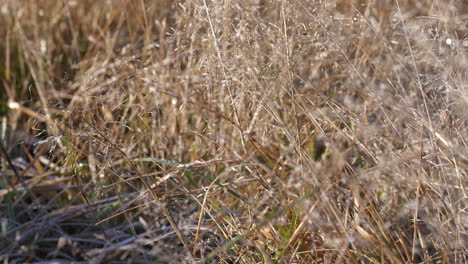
x=249, y=131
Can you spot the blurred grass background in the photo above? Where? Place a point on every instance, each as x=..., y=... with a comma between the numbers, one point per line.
x=253, y=131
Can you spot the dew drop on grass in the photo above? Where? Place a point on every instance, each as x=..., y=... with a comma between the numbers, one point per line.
x=43, y=46
x=465, y=44
x=448, y=41
x=13, y=105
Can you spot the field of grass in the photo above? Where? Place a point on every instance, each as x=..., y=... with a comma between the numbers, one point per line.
x=254, y=131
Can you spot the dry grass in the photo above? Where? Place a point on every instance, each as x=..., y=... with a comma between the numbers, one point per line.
x=251, y=131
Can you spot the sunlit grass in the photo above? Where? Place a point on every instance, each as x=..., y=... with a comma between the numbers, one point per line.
x=233, y=131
